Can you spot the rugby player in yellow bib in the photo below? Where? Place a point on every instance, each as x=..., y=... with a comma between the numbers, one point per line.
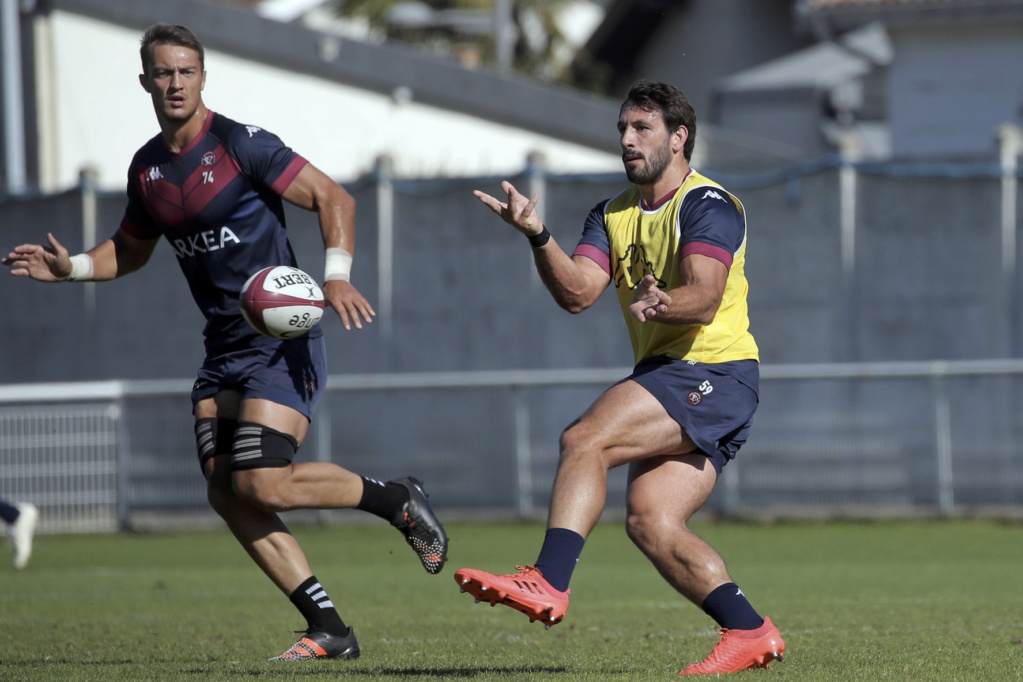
x=674, y=247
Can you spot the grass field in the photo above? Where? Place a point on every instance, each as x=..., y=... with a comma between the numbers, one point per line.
x=870, y=601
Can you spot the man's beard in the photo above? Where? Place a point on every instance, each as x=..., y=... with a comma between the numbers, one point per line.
x=654, y=168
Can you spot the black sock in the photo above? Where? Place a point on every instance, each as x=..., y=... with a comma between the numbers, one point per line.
x=729, y=607
x=559, y=555
x=312, y=601
x=383, y=499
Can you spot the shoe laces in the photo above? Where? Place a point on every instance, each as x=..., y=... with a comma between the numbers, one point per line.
x=534, y=579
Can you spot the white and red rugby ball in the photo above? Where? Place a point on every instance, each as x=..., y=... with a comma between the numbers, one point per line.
x=282, y=302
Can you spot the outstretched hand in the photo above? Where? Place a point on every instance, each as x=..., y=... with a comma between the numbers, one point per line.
x=350, y=305
x=649, y=301
x=518, y=211
x=44, y=263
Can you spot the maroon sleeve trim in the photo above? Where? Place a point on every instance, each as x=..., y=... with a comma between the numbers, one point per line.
x=594, y=254
x=709, y=250
x=285, y=179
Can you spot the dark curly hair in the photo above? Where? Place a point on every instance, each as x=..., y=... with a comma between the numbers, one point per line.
x=672, y=104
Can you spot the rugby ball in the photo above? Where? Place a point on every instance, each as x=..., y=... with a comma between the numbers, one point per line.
x=282, y=302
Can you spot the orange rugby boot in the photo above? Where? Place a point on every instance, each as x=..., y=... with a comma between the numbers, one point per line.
x=525, y=591
x=741, y=649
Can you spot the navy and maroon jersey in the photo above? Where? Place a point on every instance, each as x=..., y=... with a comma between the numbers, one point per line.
x=218, y=203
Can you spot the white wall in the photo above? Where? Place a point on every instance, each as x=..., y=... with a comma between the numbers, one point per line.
x=94, y=112
x=951, y=87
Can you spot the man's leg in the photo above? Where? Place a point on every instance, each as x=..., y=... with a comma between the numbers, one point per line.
x=260, y=531
x=265, y=476
x=625, y=424
x=262, y=534
x=248, y=501
x=664, y=493
x=275, y=550
x=262, y=473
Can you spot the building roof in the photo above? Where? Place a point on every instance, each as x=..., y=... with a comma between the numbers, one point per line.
x=547, y=109
x=399, y=71
x=824, y=65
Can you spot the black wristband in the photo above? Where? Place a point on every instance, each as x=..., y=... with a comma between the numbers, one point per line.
x=538, y=240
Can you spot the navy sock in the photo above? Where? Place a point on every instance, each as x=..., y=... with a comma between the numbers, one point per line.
x=311, y=599
x=729, y=607
x=559, y=555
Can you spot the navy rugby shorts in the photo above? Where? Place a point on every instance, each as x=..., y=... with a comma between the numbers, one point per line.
x=291, y=373
x=714, y=403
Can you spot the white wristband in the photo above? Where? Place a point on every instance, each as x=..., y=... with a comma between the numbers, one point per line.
x=337, y=265
x=81, y=268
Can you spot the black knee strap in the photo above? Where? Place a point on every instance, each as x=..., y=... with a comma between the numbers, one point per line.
x=260, y=447
x=213, y=436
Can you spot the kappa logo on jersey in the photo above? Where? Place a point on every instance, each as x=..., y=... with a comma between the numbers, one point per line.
x=154, y=173
x=209, y=158
x=204, y=242
x=252, y=130
x=714, y=195
x=635, y=264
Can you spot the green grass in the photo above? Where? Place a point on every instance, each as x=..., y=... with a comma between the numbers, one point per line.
x=871, y=601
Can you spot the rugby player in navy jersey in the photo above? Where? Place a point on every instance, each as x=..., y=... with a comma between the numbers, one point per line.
x=214, y=188
x=674, y=246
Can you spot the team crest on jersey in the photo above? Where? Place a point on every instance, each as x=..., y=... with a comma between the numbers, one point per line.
x=695, y=397
x=209, y=158
x=635, y=264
